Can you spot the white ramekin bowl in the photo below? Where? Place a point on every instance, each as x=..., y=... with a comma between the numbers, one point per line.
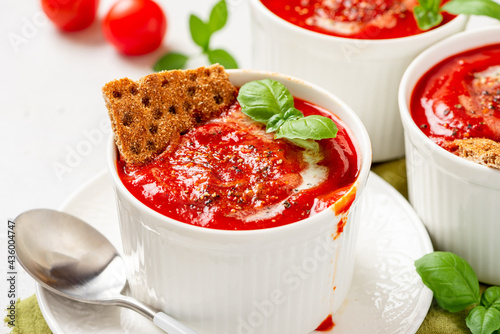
x=456, y=199
x=363, y=73
x=280, y=280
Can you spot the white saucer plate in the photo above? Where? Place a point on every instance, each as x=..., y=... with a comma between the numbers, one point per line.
x=386, y=294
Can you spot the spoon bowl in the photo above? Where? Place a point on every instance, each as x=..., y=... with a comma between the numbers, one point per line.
x=69, y=257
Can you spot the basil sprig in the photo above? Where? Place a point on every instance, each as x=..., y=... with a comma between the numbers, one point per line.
x=455, y=287
x=269, y=102
x=201, y=33
x=428, y=12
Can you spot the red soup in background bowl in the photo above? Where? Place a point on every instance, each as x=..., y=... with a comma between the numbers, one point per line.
x=215, y=280
x=357, y=52
x=449, y=96
x=459, y=98
x=358, y=19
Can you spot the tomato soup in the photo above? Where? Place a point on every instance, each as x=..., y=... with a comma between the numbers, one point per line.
x=229, y=174
x=459, y=98
x=360, y=19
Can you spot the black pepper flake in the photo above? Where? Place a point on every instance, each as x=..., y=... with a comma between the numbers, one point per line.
x=485, y=92
x=454, y=133
x=423, y=126
x=287, y=204
x=446, y=112
x=469, y=126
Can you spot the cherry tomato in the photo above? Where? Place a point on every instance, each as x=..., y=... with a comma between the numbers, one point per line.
x=71, y=15
x=135, y=27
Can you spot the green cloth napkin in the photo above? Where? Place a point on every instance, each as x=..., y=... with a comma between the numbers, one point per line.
x=28, y=318
x=438, y=321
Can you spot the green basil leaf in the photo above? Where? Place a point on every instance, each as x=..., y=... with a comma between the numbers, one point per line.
x=274, y=123
x=223, y=58
x=292, y=114
x=218, y=16
x=473, y=7
x=171, y=61
x=491, y=297
x=311, y=127
x=427, y=18
x=451, y=278
x=307, y=144
x=482, y=320
x=263, y=99
x=200, y=32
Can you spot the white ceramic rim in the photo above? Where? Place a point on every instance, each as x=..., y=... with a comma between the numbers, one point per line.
x=361, y=140
x=263, y=10
x=421, y=65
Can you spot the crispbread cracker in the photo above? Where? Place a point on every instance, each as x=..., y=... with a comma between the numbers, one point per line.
x=479, y=150
x=149, y=114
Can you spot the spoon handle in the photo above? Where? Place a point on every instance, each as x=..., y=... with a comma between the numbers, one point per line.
x=160, y=319
x=170, y=325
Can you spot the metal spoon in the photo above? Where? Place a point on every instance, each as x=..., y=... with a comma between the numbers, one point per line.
x=71, y=258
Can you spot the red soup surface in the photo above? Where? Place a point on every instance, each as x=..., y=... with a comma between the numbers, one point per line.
x=459, y=98
x=229, y=174
x=360, y=19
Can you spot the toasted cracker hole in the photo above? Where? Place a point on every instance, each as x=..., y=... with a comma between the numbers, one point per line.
x=172, y=110
x=193, y=76
x=197, y=117
x=133, y=90
x=207, y=72
x=145, y=101
x=135, y=148
x=184, y=132
x=150, y=145
x=191, y=91
x=157, y=113
x=153, y=129
x=164, y=83
x=117, y=94
x=187, y=106
x=218, y=99
x=127, y=119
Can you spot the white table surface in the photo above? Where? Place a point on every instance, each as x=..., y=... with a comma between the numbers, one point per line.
x=53, y=122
